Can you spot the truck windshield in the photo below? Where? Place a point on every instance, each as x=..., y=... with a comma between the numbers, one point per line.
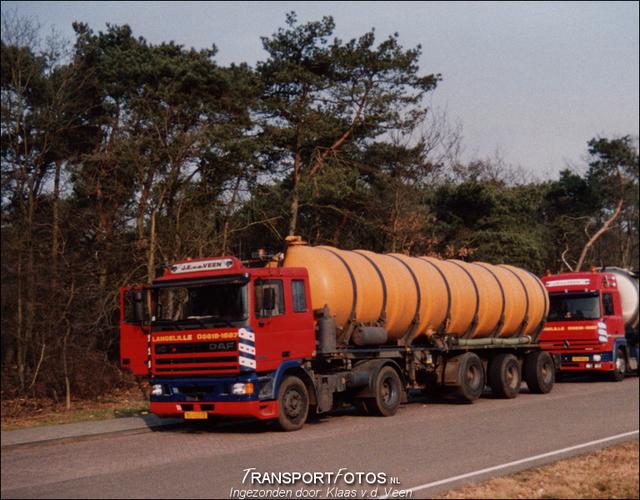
x=574, y=307
x=204, y=306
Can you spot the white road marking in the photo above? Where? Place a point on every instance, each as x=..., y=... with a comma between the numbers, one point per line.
x=518, y=462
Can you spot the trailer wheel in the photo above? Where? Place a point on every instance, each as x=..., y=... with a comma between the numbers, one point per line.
x=505, y=376
x=620, y=370
x=470, y=377
x=387, y=391
x=293, y=402
x=539, y=372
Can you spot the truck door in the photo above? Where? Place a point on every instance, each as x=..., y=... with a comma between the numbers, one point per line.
x=284, y=324
x=612, y=317
x=134, y=337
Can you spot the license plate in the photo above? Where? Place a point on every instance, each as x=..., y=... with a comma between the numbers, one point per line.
x=580, y=358
x=195, y=415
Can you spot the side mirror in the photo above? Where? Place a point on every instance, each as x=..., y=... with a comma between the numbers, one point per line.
x=138, y=313
x=134, y=303
x=268, y=299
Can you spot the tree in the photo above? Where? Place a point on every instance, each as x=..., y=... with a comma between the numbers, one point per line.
x=325, y=100
x=42, y=127
x=493, y=222
x=166, y=113
x=613, y=173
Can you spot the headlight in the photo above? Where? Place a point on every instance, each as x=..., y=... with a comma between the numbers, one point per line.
x=241, y=388
x=597, y=357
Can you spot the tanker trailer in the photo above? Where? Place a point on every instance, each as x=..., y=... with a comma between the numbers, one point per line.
x=321, y=328
x=461, y=324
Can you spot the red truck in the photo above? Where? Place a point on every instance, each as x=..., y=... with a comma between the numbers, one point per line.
x=593, y=321
x=325, y=327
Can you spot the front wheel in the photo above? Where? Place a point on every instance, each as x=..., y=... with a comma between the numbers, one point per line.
x=620, y=369
x=293, y=402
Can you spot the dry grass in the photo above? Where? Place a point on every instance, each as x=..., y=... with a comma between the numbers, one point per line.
x=21, y=414
x=609, y=473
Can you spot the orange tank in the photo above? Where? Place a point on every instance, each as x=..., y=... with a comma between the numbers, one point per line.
x=421, y=296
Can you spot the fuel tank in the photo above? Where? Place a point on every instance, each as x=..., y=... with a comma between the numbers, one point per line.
x=421, y=295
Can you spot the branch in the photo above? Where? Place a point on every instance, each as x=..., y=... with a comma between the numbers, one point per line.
x=597, y=235
x=564, y=260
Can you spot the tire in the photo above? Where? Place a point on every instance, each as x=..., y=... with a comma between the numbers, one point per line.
x=539, y=372
x=293, y=403
x=505, y=376
x=620, y=370
x=470, y=377
x=387, y=389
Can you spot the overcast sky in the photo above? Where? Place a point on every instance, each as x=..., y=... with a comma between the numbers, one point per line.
x=533, y=80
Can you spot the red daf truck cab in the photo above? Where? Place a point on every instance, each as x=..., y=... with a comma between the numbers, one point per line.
x=197, y=329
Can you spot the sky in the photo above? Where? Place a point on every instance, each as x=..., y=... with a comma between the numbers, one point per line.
x=531, y=82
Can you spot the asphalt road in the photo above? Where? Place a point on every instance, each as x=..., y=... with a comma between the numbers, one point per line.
x=340, y=455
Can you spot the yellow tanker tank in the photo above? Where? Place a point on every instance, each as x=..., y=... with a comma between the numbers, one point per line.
x=411, y=297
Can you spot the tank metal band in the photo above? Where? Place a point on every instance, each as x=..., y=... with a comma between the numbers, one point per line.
x=525, y=320
x=447, y=316
x=474, y=323
x=408, y=335
x=345, y=335
x=537, y=334
x=498, y=328
x=383, y=312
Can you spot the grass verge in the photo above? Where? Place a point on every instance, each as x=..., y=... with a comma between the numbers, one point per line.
x=609, y=473
x=20, y=415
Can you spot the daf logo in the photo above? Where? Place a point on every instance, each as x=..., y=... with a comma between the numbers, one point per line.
x=222, y=346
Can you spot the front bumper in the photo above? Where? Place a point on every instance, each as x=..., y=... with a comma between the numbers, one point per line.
x=245, y=409
x=214, y=396
x=600, y=361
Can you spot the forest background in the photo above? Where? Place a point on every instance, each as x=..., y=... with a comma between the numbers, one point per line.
x=120, y=157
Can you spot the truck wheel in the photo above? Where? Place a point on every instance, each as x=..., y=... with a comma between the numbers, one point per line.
x=293, y=402
x=387, y=391
x=470, y=377
x=539, y=372
x=620, y=369
x=505, y=376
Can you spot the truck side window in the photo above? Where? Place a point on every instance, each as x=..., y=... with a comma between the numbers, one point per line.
x=270, y=291
x=607, y=304
x=299, y=296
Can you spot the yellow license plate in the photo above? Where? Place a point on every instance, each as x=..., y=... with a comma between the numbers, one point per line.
x=195, y=415
x=580, y=358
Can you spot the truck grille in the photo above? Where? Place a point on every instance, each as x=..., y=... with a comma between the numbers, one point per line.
x=195, y=357
x=571, y=344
